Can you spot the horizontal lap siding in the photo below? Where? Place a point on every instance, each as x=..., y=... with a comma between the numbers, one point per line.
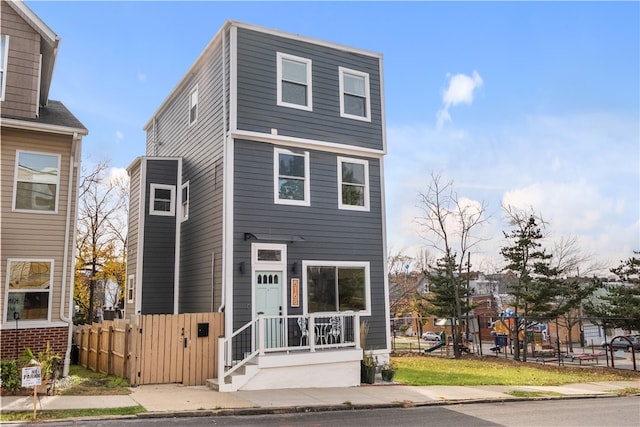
x=201, y=148
x=23, y=65
x=133, y=230
x=329, y=233
x=159, y=245
x=35, y=235
x=257, y=85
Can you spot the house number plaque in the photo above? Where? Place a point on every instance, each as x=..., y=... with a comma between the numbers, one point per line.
x=295, y=292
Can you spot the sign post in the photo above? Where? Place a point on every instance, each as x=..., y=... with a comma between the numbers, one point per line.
x=32, y=377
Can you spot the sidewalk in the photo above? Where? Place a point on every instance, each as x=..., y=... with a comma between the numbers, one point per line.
x=176, y=400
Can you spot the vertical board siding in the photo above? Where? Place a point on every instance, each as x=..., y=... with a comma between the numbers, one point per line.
x=257, y=97
x=159, y=243
x=36, y=235
x=151, y=349
x=329, y=233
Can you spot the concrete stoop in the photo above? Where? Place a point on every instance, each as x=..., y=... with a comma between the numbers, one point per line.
x=236, y=380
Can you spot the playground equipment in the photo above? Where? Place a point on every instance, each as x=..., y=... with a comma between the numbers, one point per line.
x=439, y=344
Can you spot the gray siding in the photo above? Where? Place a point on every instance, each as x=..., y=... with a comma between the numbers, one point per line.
x=256, y=87
x=133, y=228
x=201, y=147
x=329, y=233
x=159, y=244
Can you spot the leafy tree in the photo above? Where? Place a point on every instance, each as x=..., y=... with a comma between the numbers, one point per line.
x=101, y=238
x=447, y=224
x=620, y=307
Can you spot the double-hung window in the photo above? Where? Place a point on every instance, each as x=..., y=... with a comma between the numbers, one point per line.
x=185, y=201
x=355, y=99
x=291, y=177
x=163, y=200
x=193, y=106
x=294, y=82
x=37, y=179
x=336, y=286
x=29, y=289
x=4, y=55
x=353, y=184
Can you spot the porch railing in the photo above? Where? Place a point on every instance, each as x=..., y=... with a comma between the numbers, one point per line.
x=287, y=334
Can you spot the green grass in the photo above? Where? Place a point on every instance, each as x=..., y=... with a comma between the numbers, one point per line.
x=473, y=371
x=70, y=413
x=83, y=382
x=527, y=393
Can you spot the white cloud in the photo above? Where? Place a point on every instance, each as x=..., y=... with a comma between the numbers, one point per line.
x=119, y=135
x=460, y=91
x=142, y=76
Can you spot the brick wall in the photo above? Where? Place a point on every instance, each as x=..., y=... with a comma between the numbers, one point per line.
x=36, y=339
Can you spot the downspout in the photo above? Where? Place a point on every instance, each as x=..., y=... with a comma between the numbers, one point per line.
x=223, y=284
x=75, y=148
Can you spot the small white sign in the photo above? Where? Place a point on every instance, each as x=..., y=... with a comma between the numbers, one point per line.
x=31, y=376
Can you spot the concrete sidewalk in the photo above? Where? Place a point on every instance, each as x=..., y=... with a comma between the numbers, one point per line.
x=174, y=399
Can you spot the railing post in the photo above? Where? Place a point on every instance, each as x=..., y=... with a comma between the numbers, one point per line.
x=222, y=357
x=312, y=333
x=260, y=333
x=356, y=329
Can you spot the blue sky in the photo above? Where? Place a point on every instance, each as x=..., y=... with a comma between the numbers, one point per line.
x=535, y=105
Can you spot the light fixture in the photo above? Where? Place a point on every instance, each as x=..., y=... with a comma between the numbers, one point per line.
x=241, y=267
x=294, y=268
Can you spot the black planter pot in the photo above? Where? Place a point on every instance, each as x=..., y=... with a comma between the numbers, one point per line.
x=387, y=375
x=367, y=374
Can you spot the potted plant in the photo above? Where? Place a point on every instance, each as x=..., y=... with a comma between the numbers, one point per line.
x=388, y=371
x=367, y=369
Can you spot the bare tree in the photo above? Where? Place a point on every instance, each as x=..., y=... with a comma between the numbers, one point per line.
x=447, y=225
x=101, y=241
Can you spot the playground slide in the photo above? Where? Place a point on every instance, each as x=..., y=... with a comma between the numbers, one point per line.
x=435, y=347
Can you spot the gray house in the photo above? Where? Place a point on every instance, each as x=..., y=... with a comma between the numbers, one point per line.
x=261, y=195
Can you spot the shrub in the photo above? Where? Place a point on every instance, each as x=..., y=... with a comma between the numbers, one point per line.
x=10, y=378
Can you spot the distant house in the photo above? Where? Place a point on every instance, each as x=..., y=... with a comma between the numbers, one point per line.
x=261, y=195
x=40, y=165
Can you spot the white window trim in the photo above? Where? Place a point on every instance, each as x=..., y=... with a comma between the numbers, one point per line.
x=276, y=176
x=15, y=183
x=197, y=105
x=341, y=205
x=172, y=205
x=280, y=56
x=6, y=295
x=342, y=72
x=131, y=288
x=338, y=264
x=184, y=211
x=5, y=60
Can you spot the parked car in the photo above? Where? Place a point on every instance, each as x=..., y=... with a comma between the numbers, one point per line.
x=431, y=336
x=622, y=344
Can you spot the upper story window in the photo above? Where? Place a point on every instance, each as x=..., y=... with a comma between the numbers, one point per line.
x=185, y=201
x=163, y=200
x=28, y=289
x=291, y=177
x=4, y=54
x=130, y=287
x=37, y=179
x=353, y=184
x=355, y=101
x=193, y=106
x=294, y=82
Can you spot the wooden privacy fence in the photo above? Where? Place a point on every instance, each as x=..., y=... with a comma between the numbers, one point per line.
x=153, y=349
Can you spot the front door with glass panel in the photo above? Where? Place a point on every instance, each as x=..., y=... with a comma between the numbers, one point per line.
x=269, y=303
x=269, y=262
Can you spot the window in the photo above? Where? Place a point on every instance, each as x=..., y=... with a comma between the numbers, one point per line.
x=185, y=201
x=130, y=287
x=29, y=289
x=291, y=177
x=353, y=184
x=4, y=55
x=193, y=106
x=294, y=82
x=354, y=95
x=37, y=181
x=337, y=286
x=162, y=200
